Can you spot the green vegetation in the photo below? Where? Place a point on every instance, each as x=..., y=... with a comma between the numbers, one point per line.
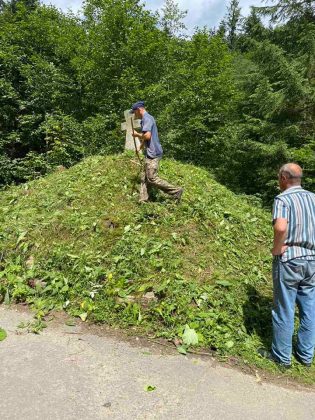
x=238, y=100
x=198, y=271
x=3, y=334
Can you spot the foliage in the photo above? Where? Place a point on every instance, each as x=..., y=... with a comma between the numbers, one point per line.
x=201, y=95
x=232, y=23
x=284, y=9
x=172, y=19
x=98, y=254
x=37, y=87
x=198, y=272
x=239, y=101
x=3, y=334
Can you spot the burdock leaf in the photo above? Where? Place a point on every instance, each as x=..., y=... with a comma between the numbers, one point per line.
x=190, y=337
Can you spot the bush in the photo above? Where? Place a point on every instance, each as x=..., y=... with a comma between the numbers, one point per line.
x=101, y=135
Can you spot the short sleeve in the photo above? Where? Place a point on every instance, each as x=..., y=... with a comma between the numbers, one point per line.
x=147, y=125
x=280, y=210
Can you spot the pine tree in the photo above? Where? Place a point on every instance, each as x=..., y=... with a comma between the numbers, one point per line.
x=288, y=9
x=232, y=23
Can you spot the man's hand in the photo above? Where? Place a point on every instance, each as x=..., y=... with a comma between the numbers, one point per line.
x=136, y=134
x=276, y=252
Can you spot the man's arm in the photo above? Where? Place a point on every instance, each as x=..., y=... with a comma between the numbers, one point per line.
x=143, y=137
x=280, y=234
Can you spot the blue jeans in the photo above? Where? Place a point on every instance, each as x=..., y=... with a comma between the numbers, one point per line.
x=293, y=282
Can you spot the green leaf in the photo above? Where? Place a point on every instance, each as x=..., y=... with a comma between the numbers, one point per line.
x=70, y=322
x=21, y=237
x=223, y=283
x=229, y=344
x=3, y=334
x=190, y=337
x=83, y=316
x=150, y=388
x=181, y=349
x=74, y=257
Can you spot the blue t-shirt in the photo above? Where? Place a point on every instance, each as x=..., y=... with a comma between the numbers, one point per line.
x=153, y=148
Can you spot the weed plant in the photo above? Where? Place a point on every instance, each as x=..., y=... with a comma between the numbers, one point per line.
x=78, y=240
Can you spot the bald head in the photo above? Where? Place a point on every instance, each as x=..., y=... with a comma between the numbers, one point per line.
x=292, y=170
x=290, y=174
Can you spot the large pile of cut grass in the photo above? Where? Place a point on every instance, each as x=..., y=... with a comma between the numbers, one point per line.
x=79, y=240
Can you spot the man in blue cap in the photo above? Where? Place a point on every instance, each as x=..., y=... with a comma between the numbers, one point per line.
x=150, y=143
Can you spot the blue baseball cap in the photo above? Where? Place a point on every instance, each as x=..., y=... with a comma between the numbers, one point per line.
x=139, y=104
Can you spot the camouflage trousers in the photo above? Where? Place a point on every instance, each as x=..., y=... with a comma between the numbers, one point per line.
x=150, y=178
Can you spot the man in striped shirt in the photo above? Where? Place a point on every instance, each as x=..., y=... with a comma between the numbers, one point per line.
x=293, y=269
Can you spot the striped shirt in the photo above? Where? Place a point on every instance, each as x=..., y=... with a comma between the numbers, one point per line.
x=297, y=206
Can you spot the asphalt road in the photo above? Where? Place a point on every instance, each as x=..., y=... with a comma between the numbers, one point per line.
x=71, y=373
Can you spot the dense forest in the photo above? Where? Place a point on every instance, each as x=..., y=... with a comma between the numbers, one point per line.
x=238, y=99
